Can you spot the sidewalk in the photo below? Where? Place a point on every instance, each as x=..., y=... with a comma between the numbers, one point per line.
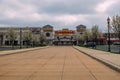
x=8, y=52
x=109, y=59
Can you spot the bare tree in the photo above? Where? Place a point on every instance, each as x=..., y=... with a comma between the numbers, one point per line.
x=87, y=35
x=28, y=37
x=42, y=38
x=116, y=25
x=12, y=35
x=95, y=33
x=36, y=40
x=80, y=39
x=83, y=38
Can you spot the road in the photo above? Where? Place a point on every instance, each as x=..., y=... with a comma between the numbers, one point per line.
x=54, y=63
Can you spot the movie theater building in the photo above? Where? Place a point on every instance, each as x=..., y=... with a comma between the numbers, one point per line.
x=56, y=37
x=64, y=37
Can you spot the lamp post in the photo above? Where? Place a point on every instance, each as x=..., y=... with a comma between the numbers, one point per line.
x=119, y=35
x=108, y=25
x=20, y=38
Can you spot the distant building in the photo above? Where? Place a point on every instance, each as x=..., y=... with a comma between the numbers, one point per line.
x=64, y=37
x=56, y=37
x=4, y=38
x=80, y=29
x=48, y=31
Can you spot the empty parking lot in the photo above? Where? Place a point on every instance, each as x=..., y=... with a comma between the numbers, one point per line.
x=54, y=63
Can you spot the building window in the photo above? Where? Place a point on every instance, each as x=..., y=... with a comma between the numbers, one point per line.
x=81, y=33
x=47, y=34
x=64, y=36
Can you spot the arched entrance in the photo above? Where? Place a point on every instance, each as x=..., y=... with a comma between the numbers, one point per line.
x=65, y=42
x=64, y=37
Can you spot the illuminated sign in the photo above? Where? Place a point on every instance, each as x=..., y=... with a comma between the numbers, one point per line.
x=64, y=32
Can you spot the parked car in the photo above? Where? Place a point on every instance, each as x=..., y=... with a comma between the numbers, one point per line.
x=116, y=43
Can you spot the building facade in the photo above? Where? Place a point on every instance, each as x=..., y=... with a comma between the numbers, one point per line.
x=53, y=37
x=4, y=32
x=64, y=37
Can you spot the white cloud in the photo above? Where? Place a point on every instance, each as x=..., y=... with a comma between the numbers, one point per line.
x=69, y=19
x=104, y=6
x=14, y=9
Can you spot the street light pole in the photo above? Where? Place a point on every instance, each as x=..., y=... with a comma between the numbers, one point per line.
x=108, y=22
x=119, y=41
x=119, y=35
x=20, y=38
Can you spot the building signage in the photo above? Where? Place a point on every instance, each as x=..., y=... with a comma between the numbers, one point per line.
x=64, y=32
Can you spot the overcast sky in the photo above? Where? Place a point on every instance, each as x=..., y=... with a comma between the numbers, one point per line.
x=58, y=13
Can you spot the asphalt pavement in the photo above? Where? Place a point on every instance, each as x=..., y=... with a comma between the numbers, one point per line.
x=54, y=63
x=107, y=58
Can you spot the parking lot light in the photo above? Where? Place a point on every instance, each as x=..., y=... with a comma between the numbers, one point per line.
x=108, y=23
x=119, y=36
x=20, y=38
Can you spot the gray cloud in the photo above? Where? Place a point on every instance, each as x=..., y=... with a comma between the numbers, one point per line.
x=59, y=13
x=114, y=10
x=70, y=7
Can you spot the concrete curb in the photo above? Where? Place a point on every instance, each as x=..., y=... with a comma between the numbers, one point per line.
x=105, y=62
x=21, y=51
